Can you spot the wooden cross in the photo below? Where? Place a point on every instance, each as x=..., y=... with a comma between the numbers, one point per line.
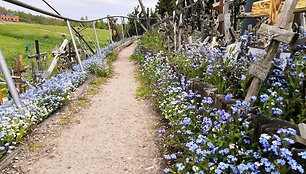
x=38, y=56
x=18, y=68
x=57, y=53
x=280, y=31
x=224, y=20
x=146, y=15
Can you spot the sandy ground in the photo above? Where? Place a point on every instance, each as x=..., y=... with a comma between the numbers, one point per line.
x=115, y=134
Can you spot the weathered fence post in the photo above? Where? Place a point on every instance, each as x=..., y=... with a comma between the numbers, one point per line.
x=9, y=80
x=40, y=68
x=97, y=39
x=110, y=30
x=143, y=9
x=262, y=66
x=75, y=46
x=136, y=27
x=180, y=31
x=227, y=22
x=1, y=97
x=122, y=23
x=303, y=22
x=175, y=31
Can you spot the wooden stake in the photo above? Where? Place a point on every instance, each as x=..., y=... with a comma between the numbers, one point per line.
x=180, y=31
x=110, y=31
x=1, y=97
x=174, y=30
x=227, y=22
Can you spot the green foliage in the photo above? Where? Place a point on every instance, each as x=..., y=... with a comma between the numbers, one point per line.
x=35, y=146
x=153, y=41
x=164, y=6
x=97, y=70
x=144, y=91
x=95, y=85
x=131, y=25
x=102, y=25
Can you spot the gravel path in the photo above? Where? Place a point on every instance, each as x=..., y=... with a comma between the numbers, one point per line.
x=116, y=133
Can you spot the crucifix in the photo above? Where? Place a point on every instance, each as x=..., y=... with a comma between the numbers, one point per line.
x=37, y=56
x=280, y=33
x=18, y=68
x=58, y=53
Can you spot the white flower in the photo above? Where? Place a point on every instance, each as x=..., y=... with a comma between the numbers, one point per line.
x=195, y=168
x=274, y=93
x=232, y=146
x=266, y=136
x=258, y=164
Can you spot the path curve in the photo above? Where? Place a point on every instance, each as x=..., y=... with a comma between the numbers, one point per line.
x=116, y=133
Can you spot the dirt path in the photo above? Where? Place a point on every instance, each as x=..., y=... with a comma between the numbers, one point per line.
x=116, y=133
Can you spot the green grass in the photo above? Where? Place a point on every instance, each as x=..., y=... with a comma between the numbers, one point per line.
x=14, y=36
x=144, y=91
x=35, y=146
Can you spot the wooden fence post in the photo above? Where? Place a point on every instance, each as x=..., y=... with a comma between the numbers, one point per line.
x=175, y=31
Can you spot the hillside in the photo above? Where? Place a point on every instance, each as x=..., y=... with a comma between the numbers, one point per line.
x=14, y=36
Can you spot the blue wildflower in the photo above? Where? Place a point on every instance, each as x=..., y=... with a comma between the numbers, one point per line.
x=243, y=77
x=277, y=111
x=302, y=154
x=264, y=97
x=254, y=98
x=228, y=97
x=166, y=170
x=180, y=166
x=301, y=75
x=281, y=161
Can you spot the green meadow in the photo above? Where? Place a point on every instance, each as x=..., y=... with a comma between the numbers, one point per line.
x=14, y=36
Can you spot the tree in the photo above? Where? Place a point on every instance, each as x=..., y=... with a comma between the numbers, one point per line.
x=164, y=6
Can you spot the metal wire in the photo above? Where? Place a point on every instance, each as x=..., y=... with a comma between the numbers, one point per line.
x=24, y=5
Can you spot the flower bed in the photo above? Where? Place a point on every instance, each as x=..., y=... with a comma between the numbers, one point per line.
x=203, y=139
x=41, y=101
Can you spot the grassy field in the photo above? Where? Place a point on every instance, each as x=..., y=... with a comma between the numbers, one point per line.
x=14, y=36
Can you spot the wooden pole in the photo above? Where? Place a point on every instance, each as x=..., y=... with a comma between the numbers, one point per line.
x=135, y=24
x=303, y=22
x=9, y=80
x=122, y=23
x=227, y=22
x=174, y=30
x=143, y=9
x=75, y=46
x=220, y=13
x=110, y=30
x=1, y=97
x=180, y=31
x=37, y=56
x=97, y=39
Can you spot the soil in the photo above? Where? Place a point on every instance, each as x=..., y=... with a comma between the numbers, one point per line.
x=115, y=133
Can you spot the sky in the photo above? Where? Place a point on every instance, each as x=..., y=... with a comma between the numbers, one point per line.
x=80, y=8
